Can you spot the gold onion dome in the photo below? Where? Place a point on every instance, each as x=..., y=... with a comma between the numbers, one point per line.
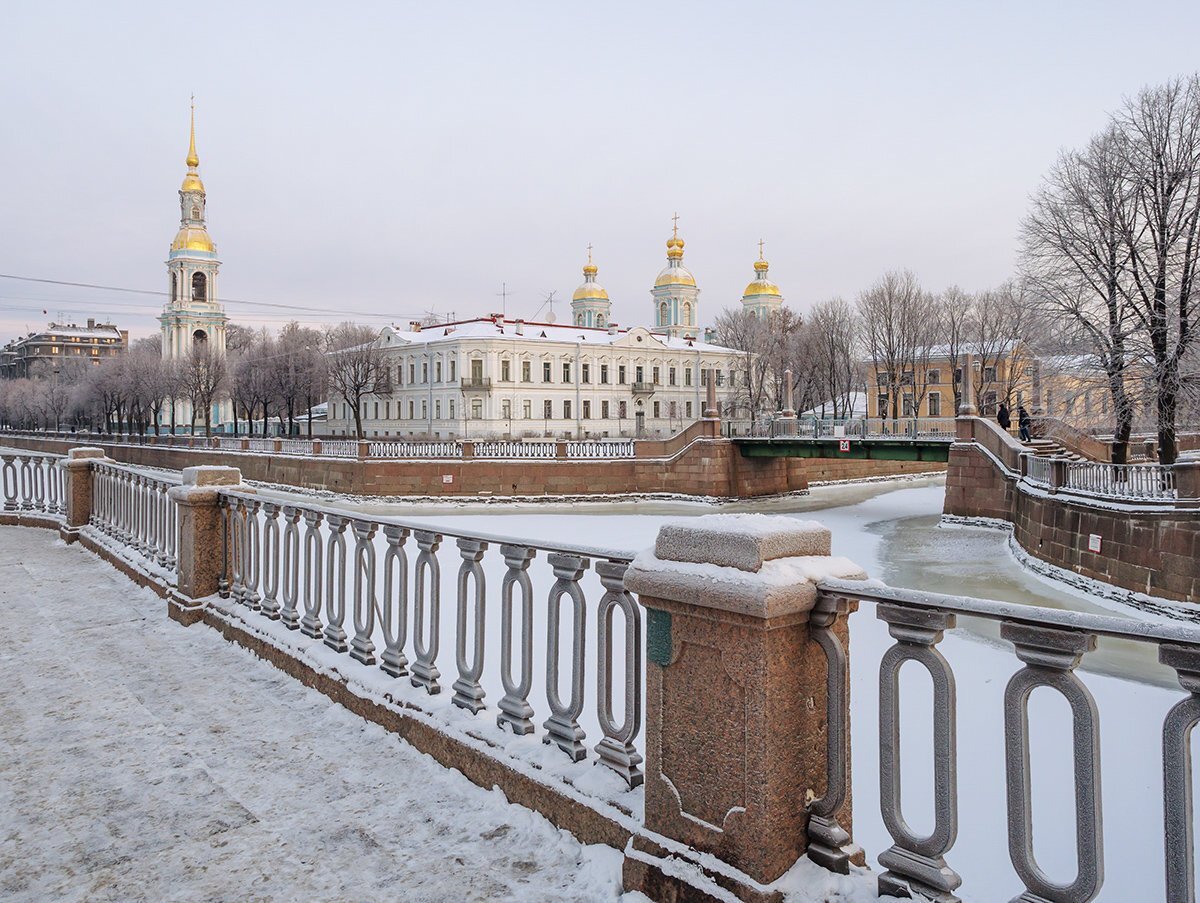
x=590, y=290
x=192, y=238
x=761, y=284
x=675, y=273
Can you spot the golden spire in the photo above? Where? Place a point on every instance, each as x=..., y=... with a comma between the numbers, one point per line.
x=191, y=181
x=674, y=243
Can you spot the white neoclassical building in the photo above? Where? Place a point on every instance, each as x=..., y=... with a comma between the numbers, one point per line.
x=193, y=315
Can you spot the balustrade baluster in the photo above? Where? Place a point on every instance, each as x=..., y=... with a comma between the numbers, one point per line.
x=917, y=864
x=1178, y=827
x=335, y=583
x=827, y=839
x=362, y=647
x=11, y=483
x=1051, y=656
x=468, y=693
x=237, y=545
x=270, y=561
x=424, y=669
x=310, y=624
x=563, y=724
x=291, y=567
x=616, y=749
x=39, y=484
x=224, y=504
x=515, y=710
x=26, y=483
x=395, y=602
x=252, y=555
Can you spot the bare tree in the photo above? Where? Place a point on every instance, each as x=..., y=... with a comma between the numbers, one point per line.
x=893, y=314
x=1076, y=263
x=354, y=364
x=1161, y=131
x=833, y=350
x=204, y=378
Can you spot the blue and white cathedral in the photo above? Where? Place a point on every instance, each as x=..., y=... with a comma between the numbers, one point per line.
x=192, y=316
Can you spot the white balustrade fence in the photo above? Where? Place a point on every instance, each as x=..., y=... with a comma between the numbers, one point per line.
x=512, y=449
x=401, y=449
x=522, y=620
x=340, y=448
x=33, y=482
x=134, y=509
x=1121, y=481
x=600, y=449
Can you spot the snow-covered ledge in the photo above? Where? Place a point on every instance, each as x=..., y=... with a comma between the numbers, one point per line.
x=735, y=701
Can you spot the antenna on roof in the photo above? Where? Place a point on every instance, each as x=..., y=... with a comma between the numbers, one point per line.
x=549, y=301
x=503, y=296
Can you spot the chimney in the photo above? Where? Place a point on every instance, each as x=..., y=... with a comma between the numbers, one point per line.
x=91, y=322
x=414, y=326
x=612, y=328
x=520, y=327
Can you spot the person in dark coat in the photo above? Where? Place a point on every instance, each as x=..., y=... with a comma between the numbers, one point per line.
x=1003, y=418
x=1024, y=421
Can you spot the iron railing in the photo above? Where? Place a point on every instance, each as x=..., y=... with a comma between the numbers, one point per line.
x=937, y=428
x=601, y=449
x=32, y=482
x=135, y=509
x=1050, y=644
x=356, y=583
x=1039, y=470
x=402, y=449
x=509, y=449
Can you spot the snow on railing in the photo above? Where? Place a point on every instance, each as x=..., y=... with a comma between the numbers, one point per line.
x=340, y=448
x=260, y=445
x=134, y=508
x=600, y=449
x=938, y=428
x=511, y=449
x=402, y=449
x=33, y=481
x=1038, y=470
x=357, y=582
x=1134, y=481
x=296, y=446
x=228, y=443
x=1049, y=644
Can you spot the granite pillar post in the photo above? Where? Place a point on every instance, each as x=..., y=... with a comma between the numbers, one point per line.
x=78, y=490
x=711, y=410
x=201, y=537
x=735, y=705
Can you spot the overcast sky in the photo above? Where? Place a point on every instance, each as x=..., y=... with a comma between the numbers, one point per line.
x=376, y=161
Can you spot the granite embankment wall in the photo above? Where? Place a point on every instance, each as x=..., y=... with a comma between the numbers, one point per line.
x=1144, y=548
x=697, y=462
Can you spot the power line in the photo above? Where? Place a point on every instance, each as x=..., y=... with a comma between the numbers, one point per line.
x=142, y=291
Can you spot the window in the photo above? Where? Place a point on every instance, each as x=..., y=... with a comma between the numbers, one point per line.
x=604, y=410
x=935, y=404
x=881, y=406
x=663, y=318
x=526, y=372
x=546, y=411
x=566, y=373
x=639, y=374
x=688, y=409
x=425, y=372
x=451, y=408
x=906, y=378
x=376, y=410
x=587, y=410
x=908, y=406
x=720, y=377
x=622, y=410
x=453, y=367
x=673, y=409
x=657, y=408
x=476, y=370
x=989, y=374
x=587, y=373
x=199, y=287
x=671, y=376
x=506, y=409
x=566, y=410
x=687, y=314
x=527, y=409
x=655, y=372
x=400, y=374
x=412, y=410
x=604, y=374
x=437, y=371
x=424, y=410
x=477, y=409
x=545, y=371
x=687, y=376
x=412, y=373
x=505, y=374
x=933, y=377
x=437, y=409
x=958, y=374
x=704, y=377
x=621, y=374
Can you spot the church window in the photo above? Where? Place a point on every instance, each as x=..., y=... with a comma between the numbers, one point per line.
x=437, y=410
x=505, y=371
x=720, y=377
x=688, y=409
x=663, y=318
x=199, y=337
x=199, y=287
x=174, y=287
x=671, y=376
x=437, y=371
x=600, y=320
x=674, y=410
x=424, y=410
x=412, y=410
x=412, y=373
x=477, y=409
x=195, y=213
x=587, y=373
x=604, y=410
x=639, y=374
x=451, y=408
x=527, y=407
x=657, y=408
x=687, y=313
x=621, y=374
x=579, y=319
x=656, y=374
x=587, y=410
x=425, y=371
x=506, y=409
x=453, y=368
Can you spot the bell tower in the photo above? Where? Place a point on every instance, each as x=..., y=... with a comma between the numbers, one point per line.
x=192, y=316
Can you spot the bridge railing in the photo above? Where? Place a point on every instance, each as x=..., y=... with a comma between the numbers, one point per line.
x=135, y=510
x=372, y=589
x=937, y=428
x=1121, y=481
x=32, y=482
x=1049, y=645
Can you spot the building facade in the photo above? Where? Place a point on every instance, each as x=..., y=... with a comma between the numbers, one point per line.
x=62, y=347
x=494, y=377
x=193, y=317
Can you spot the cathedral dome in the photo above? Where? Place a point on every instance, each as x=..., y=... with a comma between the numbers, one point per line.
x=675, y=275
x=192, y=238
x=590, y=291
x=761, y=284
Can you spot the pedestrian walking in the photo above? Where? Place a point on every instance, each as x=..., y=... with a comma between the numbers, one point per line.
x=1003, y=417
x=1024, y=422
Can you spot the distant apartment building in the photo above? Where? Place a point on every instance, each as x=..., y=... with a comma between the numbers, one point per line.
x=61, y=346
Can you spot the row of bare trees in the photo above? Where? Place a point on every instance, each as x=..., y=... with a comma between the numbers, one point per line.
x=1110, y=253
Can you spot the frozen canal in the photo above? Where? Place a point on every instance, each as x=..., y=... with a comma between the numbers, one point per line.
x=891, y=529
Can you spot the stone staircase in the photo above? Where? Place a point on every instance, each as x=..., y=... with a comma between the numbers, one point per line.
x=1049, y=448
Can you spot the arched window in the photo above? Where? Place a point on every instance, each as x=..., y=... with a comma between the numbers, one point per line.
x=599, y=319
x=199, y=339
x=579, y=319
x=195, y=213
x=199, y=287
x=687, y=314
x=662, y=314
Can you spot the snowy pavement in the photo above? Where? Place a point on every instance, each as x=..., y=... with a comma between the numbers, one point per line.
x=142, y=760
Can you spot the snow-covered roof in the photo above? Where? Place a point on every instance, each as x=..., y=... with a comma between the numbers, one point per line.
x=493, y=328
